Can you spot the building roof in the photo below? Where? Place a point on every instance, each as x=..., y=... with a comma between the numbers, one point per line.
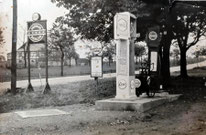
x=82, y=60
x=22, y=47
x=33, y=47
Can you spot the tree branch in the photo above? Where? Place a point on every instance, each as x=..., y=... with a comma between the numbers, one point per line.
x=195, y=40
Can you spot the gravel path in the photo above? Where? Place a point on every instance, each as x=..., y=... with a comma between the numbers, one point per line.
x=178, y=118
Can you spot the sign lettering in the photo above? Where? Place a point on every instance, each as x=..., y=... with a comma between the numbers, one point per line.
x=122, y=84
x=36, y=31
x=153, y=35
x=96, y=66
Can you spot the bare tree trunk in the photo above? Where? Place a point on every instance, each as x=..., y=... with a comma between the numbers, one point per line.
x=76, y=62
x=166, y=62
x=25, y=61
x=110, y=59
x=183, y=63
x=14, y=40
x=70, y=59
x=62, y=63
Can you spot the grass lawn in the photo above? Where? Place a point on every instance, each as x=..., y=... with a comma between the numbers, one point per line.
x=196, y=72
x=88, y=92
x=71, y=93
x=22, y=74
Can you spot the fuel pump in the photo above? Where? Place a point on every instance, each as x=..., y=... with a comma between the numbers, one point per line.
x=124, y=35
x=149, y=72
x=153, y=42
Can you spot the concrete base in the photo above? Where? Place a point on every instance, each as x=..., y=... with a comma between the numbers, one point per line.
x=40, y=113
x=141, y=104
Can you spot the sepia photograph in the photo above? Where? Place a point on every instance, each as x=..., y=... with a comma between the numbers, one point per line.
x=102, y=67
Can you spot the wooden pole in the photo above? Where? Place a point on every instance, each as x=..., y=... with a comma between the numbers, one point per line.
x=14, y=41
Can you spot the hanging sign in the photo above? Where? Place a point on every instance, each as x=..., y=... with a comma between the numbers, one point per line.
x=153, y=36
x=96, y=66
x=37, y=31
x=124, y=25
x=153, y=61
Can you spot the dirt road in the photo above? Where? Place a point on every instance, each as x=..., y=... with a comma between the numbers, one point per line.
x=183, y=117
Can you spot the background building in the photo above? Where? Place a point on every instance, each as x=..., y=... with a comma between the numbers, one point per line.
x=37, y=57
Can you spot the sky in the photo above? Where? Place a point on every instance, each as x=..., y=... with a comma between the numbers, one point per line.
x=26, y=8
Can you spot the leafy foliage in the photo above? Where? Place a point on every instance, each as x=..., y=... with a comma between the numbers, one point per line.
x=1, y=37
x=62, y=39
x=188, y=22
x=189, y=25
x=200, y=52
x=109, y=50
x=93, y=19
x=139, y=50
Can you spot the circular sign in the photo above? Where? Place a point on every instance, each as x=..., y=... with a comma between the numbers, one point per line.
x=96, y=51
x=36, y=32
x=153, y=35
x=137, y=83
x=122, y=84
x=36, y=16
x=96, y=48
x=122, y=25
x=132, y=84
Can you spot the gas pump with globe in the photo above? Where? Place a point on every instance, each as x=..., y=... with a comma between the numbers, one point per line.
x=149, y=72
x=129, y=86
x=124, y=35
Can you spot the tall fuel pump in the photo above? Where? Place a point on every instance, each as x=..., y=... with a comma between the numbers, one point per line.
x=124, y=35
x=150, y=70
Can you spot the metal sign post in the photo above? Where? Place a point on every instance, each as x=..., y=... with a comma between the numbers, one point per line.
x=37, y=33
x=96, y=68
x=29, y=87
x=47, y=87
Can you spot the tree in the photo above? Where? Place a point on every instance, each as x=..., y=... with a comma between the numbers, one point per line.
x=203, y=51
x=197, y=54
x=1, y=37
x=176, y=54
x=189, y=26
x=108, y=51
x=61, y=39
x=139, y=51
x=93, y=19
x=70, y=53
